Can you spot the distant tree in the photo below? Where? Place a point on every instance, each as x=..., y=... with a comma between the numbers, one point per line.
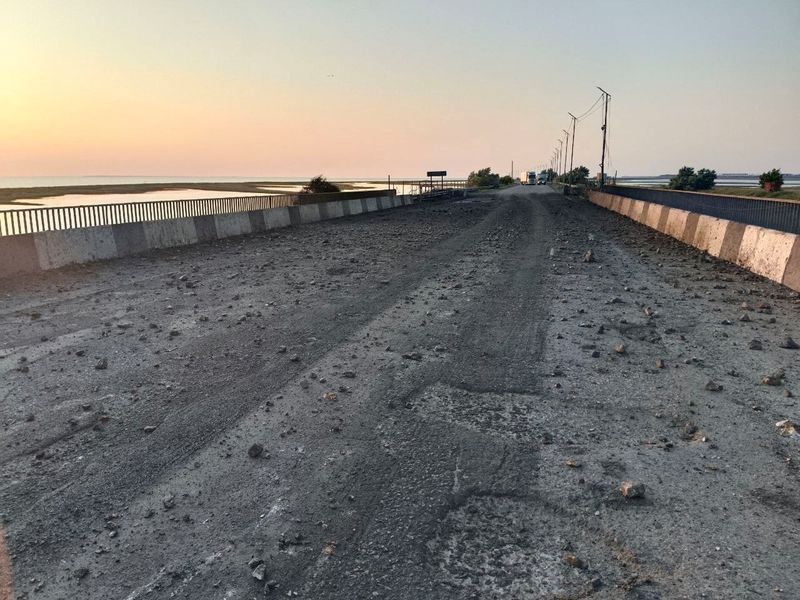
x=687, y=179
x=507, y=180
x=577, y=175
x=320, y=185
x=483, y=178
x=771, y=181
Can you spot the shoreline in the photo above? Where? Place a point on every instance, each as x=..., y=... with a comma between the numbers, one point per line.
x=19, y=196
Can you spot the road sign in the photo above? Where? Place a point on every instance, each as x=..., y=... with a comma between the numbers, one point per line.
x=437, y=173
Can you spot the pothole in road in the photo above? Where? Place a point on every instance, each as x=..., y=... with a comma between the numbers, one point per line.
x=514, y=416
x=500, y=547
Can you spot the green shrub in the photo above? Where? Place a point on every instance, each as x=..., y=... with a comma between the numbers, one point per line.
x=483, y=178
x=320, y=185
x=687, y=179
x=577, y=175
x=773, y=177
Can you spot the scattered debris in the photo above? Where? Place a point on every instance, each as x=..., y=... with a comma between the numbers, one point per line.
x=660, y=363
x=573, y=561
x=149, y=428
x=101, y=364
x=620, y=348
x=259, y=572
x=255, y=450
x=713, y=386
x=588, y=257
x=755, y=345
x=774, y=378
x=788, y=343
x=329, y=396
x=630, y=489
x=787, y=428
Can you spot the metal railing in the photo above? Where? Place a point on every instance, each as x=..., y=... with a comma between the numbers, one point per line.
x=36, y=220
x=422, y=187
x=782, y=215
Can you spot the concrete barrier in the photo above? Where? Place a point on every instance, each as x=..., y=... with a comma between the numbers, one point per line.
x=355, y=206
x=276, y=218
x=58, y=248
x=53, y=249
x=169, y=233
x=232, y=224
x=769, y=253
x=18, y=254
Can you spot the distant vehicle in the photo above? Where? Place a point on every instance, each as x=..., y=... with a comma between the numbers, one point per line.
x=542, y=180
x=528, y=178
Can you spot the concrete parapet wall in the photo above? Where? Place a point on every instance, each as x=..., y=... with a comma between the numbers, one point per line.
x=169, y=233
x=58, y=248
x=232, y=224
x=53, y=249
x=769, y=253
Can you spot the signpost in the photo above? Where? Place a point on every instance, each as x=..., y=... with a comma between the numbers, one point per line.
x=441, y=174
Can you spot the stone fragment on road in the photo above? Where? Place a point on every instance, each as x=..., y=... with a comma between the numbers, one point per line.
x=774, y=378
x=588, y=257
x=660, y=363
x=168, y=501
x=255, y=450
x=755, y=345
x=745, y=318
x=713, y=386
x=620, y=348
x=149, y=428
x=101, y=364
x=788, y=343
x=329, y=396
x=412, y=356
x=573, y=561
x=259, y=572
x=630, y=489
x=787, y=428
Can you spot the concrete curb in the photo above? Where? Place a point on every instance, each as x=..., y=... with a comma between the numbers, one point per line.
x=53, y=249
x=767, y=252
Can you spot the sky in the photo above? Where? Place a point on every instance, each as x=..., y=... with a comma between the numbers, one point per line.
x=353, y=88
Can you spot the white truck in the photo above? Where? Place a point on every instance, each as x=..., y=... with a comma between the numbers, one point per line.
x=528, y=178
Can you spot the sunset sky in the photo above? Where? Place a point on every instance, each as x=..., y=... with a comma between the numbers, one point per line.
x=373, y=87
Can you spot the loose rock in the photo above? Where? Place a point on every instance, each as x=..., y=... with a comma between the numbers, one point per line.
x=789, y=344
x=630, y=489
x=255, y=450
x=774, y=378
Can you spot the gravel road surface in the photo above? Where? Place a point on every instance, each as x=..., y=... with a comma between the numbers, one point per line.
x=440, y=401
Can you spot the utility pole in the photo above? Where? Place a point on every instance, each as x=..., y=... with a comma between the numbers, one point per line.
x=512, y=169
x=558, y=162
x=606, y=98
x=572, y=152
x=567, y=150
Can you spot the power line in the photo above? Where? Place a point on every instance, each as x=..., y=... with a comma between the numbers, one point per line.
x=586, y=114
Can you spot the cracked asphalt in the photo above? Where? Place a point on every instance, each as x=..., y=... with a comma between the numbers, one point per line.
x=438, y=401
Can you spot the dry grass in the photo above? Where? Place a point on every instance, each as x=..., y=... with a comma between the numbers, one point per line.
x=756, y=192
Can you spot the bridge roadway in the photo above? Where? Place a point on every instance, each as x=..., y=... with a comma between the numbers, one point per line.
x=421, y=403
